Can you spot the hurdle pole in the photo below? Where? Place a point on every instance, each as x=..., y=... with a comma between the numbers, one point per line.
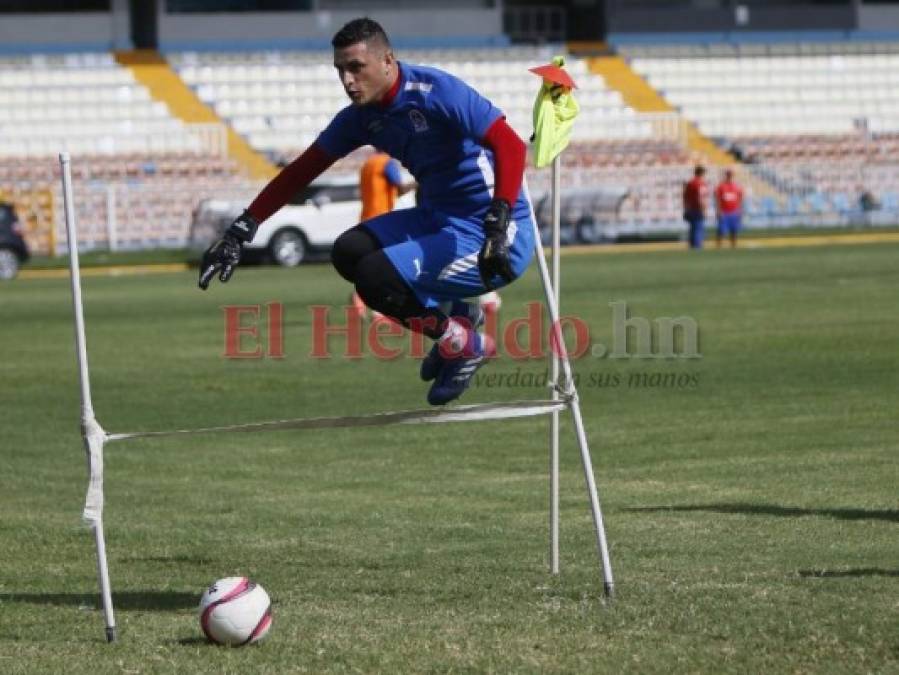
x=558, y=344
x=90, y=429
x=554, y=373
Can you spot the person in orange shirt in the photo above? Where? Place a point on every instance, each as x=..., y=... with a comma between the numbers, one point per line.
x=380, y=183
x=729, y=204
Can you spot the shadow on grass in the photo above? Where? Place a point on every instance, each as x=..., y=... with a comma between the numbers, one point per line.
x=125, y=601
x=855, y=572
x=888, y=515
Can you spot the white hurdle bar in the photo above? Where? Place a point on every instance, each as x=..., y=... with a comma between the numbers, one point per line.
x=91, y=432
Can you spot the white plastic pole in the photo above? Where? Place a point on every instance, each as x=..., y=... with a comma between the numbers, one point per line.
x=103, y=576
x=111, y=223
x=554, y=374
x=89, y=426
x=586, y=462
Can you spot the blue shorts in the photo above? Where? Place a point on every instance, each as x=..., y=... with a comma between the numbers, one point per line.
x=728, y=223
x=437, y=253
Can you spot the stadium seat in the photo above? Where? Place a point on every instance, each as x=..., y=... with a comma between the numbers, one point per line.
x=305, y=80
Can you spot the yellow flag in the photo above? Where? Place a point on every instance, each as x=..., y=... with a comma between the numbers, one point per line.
x=554, y=112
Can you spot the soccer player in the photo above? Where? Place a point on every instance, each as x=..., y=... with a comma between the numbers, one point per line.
x=695, y=199
x=729, y=205
x=472, y=230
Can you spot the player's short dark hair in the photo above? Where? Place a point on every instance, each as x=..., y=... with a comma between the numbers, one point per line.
x=699, y=170
x=359, y=30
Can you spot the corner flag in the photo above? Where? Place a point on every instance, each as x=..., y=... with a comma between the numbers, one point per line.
x=554, y=112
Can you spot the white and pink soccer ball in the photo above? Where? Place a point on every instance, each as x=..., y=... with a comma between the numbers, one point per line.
x=235, y=611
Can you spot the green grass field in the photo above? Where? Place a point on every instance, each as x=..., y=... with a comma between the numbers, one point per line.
x=751, y=507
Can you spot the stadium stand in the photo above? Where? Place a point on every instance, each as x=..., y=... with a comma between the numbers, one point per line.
x=143, y=169
x=84, y=103
x=281, y=100
x=139, y=169
x=816, y=122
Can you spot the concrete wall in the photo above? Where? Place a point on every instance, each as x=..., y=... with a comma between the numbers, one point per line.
x=795, y=17
x=462, y=26
x=247, y=30
x=57, y=32
x=411, y=27
x=878, y=18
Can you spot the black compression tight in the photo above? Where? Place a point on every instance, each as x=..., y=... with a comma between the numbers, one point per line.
x=359, y=258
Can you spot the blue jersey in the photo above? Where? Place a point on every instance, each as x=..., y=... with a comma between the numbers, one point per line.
x=434, y=127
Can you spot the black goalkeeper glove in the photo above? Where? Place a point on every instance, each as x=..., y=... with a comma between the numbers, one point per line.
x=224, y=255
x=493, y=260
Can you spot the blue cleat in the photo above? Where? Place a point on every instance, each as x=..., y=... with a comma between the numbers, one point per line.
x=433, y=360
x=431, y=363
x=455, y=375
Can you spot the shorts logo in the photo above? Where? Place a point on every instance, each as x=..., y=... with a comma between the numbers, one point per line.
x=419, y=123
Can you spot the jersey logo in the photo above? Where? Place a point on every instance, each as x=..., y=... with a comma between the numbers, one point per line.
x=375, y=126
x=419, y=86
x=419, y=123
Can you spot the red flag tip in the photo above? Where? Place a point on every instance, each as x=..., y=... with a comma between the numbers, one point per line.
x=554, y=74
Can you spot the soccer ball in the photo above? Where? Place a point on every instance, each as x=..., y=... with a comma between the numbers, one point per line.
x=235, y=611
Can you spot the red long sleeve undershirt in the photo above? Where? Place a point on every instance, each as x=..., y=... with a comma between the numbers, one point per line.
x=509, y=155
x=509, y=152
x=293, y=178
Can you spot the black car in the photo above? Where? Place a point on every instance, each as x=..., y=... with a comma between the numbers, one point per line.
x=13, y=249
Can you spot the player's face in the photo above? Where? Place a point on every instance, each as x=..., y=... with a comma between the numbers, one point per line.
x=365, y=71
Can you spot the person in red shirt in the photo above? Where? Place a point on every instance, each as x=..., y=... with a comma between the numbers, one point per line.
x=729, y=205
x=696, y=197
